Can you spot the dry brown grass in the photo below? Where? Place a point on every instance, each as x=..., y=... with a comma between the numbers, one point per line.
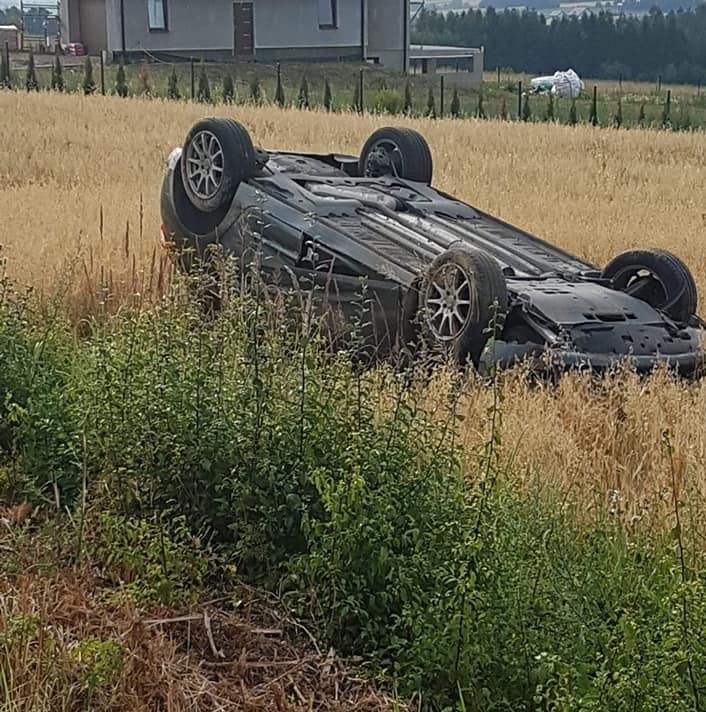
x=66, y=159
x=68, y=642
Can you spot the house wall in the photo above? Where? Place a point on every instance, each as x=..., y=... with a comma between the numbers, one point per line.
x=284, y=29
x=70, y=24
x=388, y=32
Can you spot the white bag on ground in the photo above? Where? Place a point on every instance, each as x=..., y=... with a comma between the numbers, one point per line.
x=566, y=83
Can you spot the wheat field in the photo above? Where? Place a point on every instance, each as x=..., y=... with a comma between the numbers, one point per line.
x=79, y=190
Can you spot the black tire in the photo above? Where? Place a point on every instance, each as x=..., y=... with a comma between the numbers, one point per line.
x=657, y=277
x=486, y=294
x=397, y=151
x=234, y=159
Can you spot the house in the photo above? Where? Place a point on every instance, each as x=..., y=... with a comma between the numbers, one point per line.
x=10, y=35
x=251, y=30
x=462, y=66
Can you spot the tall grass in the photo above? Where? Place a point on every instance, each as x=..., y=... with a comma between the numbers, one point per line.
x=350, y=493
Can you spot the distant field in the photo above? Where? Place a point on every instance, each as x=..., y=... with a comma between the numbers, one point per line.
x=80, y=179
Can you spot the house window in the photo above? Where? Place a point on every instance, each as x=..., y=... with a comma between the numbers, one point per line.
x=157, y=15
x=328, y=14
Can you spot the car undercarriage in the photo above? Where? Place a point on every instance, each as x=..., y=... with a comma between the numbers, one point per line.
x=439, y=274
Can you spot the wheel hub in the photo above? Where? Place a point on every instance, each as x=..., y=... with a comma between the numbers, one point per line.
x=383, y=159
x=450, y=301
x=204, y=165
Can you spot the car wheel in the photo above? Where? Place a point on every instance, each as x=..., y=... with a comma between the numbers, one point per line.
x=400, y=152
x=218, y=155
x=461, y=302
x=657, y=277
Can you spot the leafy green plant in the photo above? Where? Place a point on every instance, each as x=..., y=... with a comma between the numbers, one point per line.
x=154, y=561
x=388, y=101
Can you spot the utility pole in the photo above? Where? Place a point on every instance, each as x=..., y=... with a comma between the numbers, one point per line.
x=22, y=26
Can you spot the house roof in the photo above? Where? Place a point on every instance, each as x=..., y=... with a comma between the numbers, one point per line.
x=440, y=51
x=10, y=27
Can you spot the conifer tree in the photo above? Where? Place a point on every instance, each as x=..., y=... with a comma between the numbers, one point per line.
x=593, y=116
x=407, y=107
x=356, y=97
x=144, y=86
x=526, y=110
x=255, y=90
x=573, y=118
x=3, y=70
x=89, y=84
x=455, y=108
x=618, y=118
x=121, y=88
x=203, y=93
x=550, y=108
x=228, y=89
x=431, y=104
x=173, y=92
x=480, y=111
x=328, y=99
x=57, y=71
x=31, y=83
x=279, y=92
x=641, y=114
x=303, y=98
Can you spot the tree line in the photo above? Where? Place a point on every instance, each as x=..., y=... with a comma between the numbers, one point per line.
x=597, y=45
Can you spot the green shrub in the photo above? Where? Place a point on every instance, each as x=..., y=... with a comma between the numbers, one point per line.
x=388, y=101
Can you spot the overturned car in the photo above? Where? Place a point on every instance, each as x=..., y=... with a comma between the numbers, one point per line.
x=438, y=273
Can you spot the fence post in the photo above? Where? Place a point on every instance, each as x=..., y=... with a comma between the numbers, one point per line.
x=519, y=99
x=659, y=83
x=361, y=86
x=620, y=81
x=193, y=79
x=698, y=89
x=498, y=75
x=103, y=72
x=441, y=100
x=7, y=60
